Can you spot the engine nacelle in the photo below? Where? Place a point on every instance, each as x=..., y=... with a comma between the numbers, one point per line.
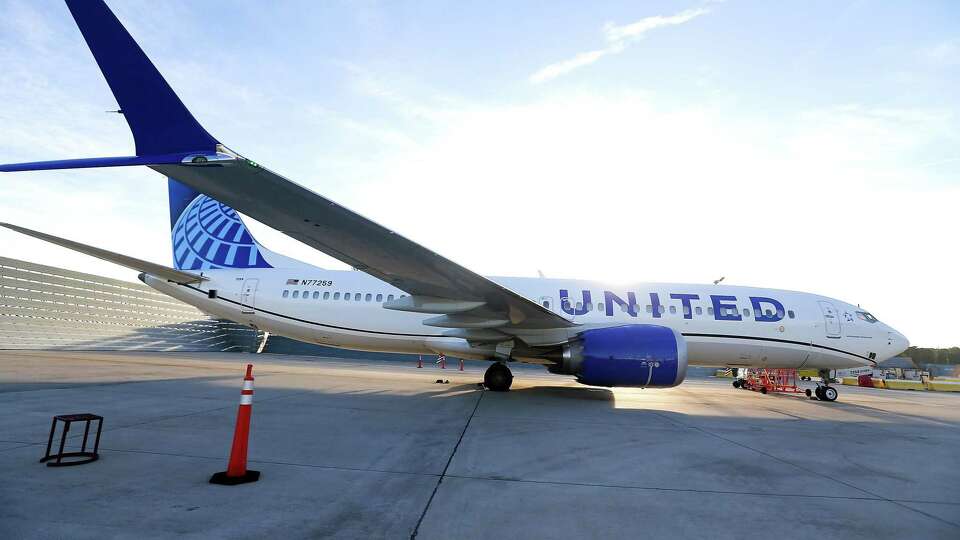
x=645, y=355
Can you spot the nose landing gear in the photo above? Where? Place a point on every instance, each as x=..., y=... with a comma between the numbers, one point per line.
x=824, y=391
x=498, y=377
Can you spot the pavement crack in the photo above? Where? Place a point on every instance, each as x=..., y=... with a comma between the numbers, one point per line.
x=694, y=490
x=416, y=529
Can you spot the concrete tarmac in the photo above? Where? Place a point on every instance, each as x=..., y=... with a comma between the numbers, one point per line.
x=354, y=449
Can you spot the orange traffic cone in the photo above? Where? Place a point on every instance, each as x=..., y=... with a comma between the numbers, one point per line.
x=237, y=472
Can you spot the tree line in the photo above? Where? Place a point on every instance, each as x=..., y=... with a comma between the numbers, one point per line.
x=929, y=355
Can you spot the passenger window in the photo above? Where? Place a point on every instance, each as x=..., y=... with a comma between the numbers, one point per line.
x=673, y=310
x=589, y=306
x=600, y=306
x=709, y=310
x=699, y=310
x=296, y=294
x=368, y=297
x=336, y=296
x=790, y=314
x=579, y=306
x=286, y=293
x=649, y=308
x=768, y=312
x=379, y=298
x=306, y=295
x=662, y=309
x=686, y=310
x=546, y=304
x=780, y=313
x=316, y=295
x=746, y=312
x=389, y=298
x=326, y=295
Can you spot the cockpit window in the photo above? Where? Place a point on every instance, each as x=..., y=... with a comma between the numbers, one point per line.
x=865, y=316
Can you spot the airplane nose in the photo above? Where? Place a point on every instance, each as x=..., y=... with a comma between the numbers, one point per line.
x=898, y=341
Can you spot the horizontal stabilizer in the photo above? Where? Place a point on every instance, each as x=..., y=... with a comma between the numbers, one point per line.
x=160, y=123
x=123, y=260
x=86, y=163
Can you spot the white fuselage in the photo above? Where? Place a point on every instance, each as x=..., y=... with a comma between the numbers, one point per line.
x=720, y=323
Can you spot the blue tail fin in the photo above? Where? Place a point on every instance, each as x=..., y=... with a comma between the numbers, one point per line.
x=158, y=119
x=208, y=235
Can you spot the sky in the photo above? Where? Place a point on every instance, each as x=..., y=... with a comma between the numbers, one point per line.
x=810, y=146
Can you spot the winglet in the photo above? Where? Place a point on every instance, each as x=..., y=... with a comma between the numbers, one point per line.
x=160, y=123
x=158, y=270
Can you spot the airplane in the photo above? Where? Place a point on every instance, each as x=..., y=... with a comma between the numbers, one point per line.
x=404, y=298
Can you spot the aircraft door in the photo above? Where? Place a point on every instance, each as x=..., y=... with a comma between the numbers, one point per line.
x=248, y=295
x=831, y=319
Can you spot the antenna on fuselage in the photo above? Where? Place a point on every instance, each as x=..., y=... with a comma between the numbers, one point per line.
x=717, y=281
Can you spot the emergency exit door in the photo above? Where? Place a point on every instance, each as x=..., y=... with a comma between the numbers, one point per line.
x=248, y=295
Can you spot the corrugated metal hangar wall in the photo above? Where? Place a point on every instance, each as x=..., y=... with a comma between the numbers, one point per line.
x=44, y=307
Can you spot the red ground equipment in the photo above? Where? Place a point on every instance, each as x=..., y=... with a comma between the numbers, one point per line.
x=771, y=380
x=237, y=472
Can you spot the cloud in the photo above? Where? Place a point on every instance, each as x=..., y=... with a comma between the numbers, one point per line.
x=946, y=53
x=618, y=37
x=616, y=34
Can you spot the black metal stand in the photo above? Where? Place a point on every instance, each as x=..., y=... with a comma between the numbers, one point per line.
x=67, y=419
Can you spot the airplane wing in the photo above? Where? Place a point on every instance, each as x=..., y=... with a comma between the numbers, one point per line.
x=172, y=142
x=158, y=270
x=438, y=285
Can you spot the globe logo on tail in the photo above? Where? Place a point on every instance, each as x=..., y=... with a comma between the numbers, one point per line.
x=210, y=235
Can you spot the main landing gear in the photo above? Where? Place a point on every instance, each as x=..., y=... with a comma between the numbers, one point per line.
x=498, y=377
x=824, y=392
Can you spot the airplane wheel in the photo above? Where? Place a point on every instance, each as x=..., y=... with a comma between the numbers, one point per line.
x=763, y=389
x=498, y=377
x=829, y=393
x=819, y=393
x=808, y=393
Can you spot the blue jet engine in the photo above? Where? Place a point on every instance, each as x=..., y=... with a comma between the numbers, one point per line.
x=644, y=355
